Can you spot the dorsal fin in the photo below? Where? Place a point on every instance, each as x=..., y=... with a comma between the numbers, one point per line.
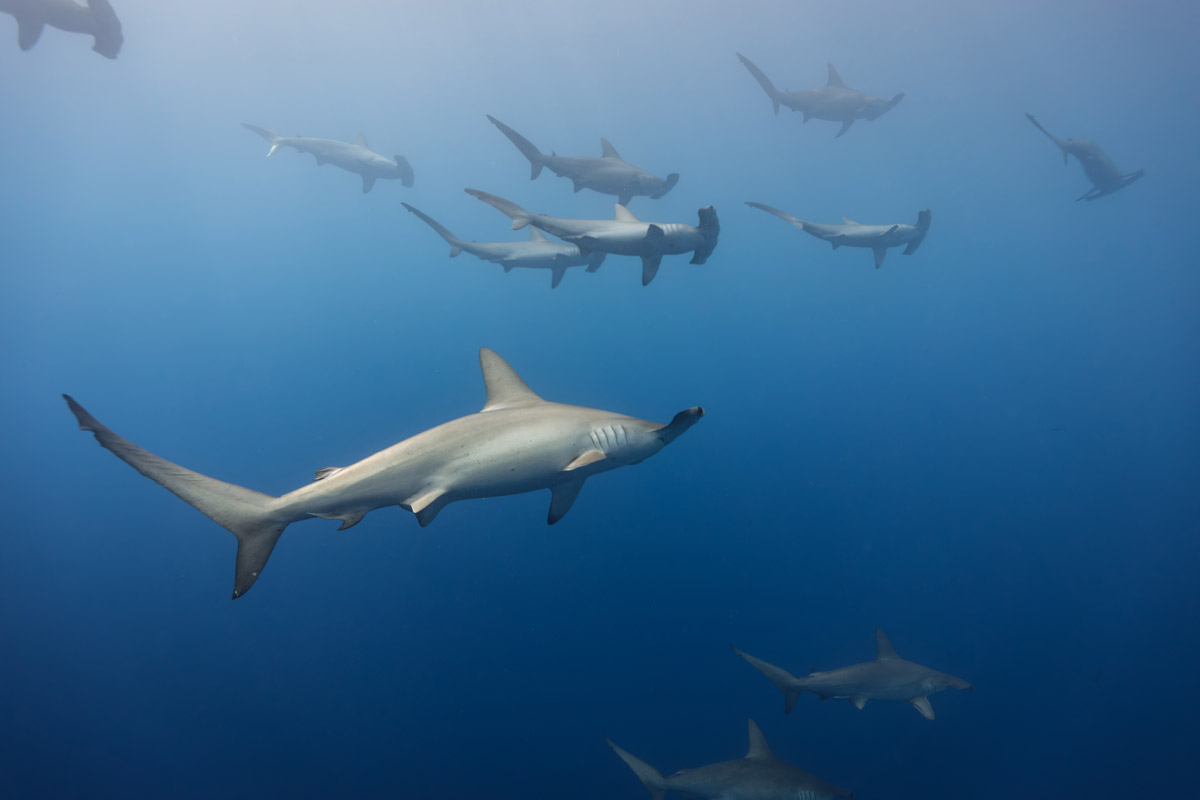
x=504, y=386
x=883, y=646
x=608, y=151
x=849, y=221
x=758, y=744
x=834, y=78
x=360, y=140
x=535, y=235
x=325, y=472
x=623, y=214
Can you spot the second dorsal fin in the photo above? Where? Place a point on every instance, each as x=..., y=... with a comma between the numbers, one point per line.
x=504, y=386
x=360, y=140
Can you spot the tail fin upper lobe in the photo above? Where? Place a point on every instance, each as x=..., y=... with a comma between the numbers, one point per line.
x=518, y=215
x=270, y=136
x=527, y=148
x=454, y=242
x=651, y=778
x=763, y=81
x=250, y=516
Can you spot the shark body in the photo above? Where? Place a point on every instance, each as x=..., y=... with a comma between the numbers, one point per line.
x=1101, y=170
x=608, y=174
x=624, y=235
x=517, y=443
x=538, y=253
x=888, y=677
x=877, y=238
x=758, y=776
x=354, y=156
x=97, y=19
x=835, y=102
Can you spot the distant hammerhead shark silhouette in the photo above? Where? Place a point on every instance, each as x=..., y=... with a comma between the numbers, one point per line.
x=353, y=156
x=1101, y=170
x=97, y=19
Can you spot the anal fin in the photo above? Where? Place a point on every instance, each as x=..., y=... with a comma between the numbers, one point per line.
x=859, y=702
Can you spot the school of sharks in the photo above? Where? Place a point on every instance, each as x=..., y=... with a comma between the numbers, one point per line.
x=519, y=442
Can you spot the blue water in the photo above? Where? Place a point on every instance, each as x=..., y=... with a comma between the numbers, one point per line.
x=988, y=448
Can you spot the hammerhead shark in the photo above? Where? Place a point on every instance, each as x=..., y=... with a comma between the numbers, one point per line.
x=854, y=234
x=1106, y=178
x=835, y=102
x=888, y=677
x=518, y=443
x=353, y=156
x=96, y=19
x=608, y=174
x=758, y=776
x=538, y=253
x=624, y=235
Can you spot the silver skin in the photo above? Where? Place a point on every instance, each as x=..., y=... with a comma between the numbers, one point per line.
x=97, y=19
x=758, y=776
x=625, y=235
x=835, y=101
x=538, y=253
x=877, y=238
x=888, y=677
x=354, y=156
x=609, y=174
x=518, y=443
x=1101, y=170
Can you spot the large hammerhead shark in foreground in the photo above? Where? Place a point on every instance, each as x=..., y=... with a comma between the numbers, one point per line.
x=517, y=443
x=758, y=776
x=835, y=102
x=538, y=253
x=888, y=677
x=625, y=235
x=1101, y=170
x=608, y=174
x=96, y=19
x=351, y=156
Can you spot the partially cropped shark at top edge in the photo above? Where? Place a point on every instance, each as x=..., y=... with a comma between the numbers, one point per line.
x=1106, y=178
x=758, y=776
x=624, y=235
x=877, y=238
x=517, y=443
x=351, y=156
x=608, y=174
x=97, y=19
x=538, y=253
x=835, y=102
x=888, y=677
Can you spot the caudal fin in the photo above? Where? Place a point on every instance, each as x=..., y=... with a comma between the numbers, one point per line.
x=527, y=148
x=456, y=244
x=518, y=215
x=763, y=81
x=786, y=682
x=250, y=516
x=651, y=778
x=270, y=136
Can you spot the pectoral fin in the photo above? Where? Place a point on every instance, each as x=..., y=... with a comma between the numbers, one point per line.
x=28, y=32
x=650, y=266
x=426, y=505
x=562, y=497
x=922, y=704
x=589, y=457
x=556, y=276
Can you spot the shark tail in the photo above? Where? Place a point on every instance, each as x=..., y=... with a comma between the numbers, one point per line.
x=783, y=679
x=251, y=516
x=518, y=215
x=456, y=244
x=763, y=81
x=651, y=778
x=527, y=148
x=270, y=136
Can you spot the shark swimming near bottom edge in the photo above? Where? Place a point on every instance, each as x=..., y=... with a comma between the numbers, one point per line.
x=758, y=776
x=354, y=156
x=888, y=677
x=517, y=443
x=877, y=238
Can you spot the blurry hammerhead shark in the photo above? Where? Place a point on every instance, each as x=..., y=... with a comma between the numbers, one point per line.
x=517, y=443
x=878, y=238
x=538, y=253
x=608, y=174
x=835, y=102
x=1099, y=168
x=758, y=776
x=353, y=156
x=97, y=18
x=888, y=677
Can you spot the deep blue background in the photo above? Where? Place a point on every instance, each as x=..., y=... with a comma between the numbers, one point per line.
x=988, y=448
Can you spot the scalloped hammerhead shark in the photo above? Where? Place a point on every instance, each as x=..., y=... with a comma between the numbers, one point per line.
x=518, y=443
x=835, y=101
x=888, y=677
x=758, y=776
x=877, y=238
x=353, y=156
x=1101, y=170
x=608, y=174
x=96, y=19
